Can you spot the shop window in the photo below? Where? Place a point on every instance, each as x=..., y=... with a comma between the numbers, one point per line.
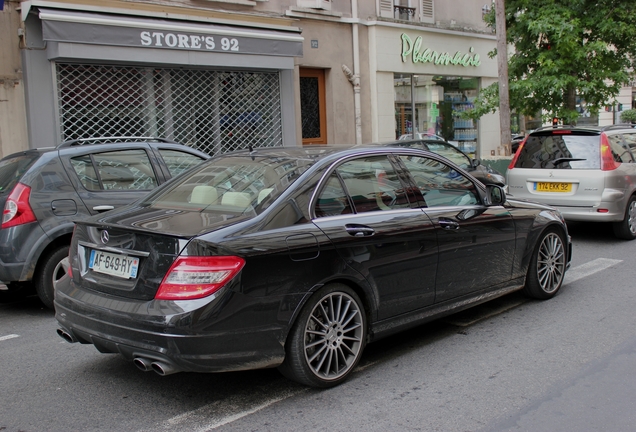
x=432, y=105
x=312, y=106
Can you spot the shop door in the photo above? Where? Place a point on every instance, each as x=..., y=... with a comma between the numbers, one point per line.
x=312, y=106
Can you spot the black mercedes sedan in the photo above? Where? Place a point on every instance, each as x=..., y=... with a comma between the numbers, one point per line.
x=296, y=258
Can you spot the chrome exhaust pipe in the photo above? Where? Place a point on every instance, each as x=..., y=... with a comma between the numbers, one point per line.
x=142, y=364
x=163, y=369
x=68, y=337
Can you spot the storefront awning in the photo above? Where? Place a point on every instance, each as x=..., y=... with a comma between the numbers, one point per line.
x=114, y=30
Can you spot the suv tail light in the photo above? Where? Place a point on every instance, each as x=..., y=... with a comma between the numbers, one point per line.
x=518, y=152
x=17, y=210
x=193, y=277
x=607, y=158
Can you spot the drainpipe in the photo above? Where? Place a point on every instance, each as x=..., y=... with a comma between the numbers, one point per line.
x=354, y=77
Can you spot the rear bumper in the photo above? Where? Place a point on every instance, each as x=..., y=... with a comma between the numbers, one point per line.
x=20, y=247
x=10, y=272
x=190, y=336
x=591, y=214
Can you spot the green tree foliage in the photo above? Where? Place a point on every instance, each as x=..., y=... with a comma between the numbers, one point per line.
x=629, y=116
x=564, y=49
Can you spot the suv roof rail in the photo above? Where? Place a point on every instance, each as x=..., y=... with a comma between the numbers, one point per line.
x=100, y=140
x=619, y=126
x=540, y=128
x=583, y=127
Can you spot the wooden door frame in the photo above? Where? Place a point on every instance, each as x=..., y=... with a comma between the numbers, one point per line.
x=322, y=110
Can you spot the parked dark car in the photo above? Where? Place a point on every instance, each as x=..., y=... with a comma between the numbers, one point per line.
x=483, y=173
x=43, y=191
x=297, y=257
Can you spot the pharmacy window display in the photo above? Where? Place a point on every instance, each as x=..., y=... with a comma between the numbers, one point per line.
x=429, y=105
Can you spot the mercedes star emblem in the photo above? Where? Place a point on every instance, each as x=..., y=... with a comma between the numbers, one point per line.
x=105, y=237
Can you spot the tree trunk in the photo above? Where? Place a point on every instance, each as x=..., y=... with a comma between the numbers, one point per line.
x=570, y=101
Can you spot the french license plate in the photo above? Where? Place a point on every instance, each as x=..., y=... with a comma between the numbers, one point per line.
x=113, y=264
x=552, y=187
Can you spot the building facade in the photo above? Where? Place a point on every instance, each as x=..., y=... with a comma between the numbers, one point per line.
x=219, y=75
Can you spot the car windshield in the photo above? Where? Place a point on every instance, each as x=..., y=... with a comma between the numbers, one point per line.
x=231, y=184
x=561, y=151
x=12, y=168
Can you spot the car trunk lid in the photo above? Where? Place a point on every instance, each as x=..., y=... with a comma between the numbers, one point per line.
x=127, y=253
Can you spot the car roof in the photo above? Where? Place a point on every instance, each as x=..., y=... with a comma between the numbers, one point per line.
x=586, y=128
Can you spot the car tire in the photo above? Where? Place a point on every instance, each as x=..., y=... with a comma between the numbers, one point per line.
x=52, y=269
x=327, y=340
x=547, y=266
x=15, y=291
x=626, y=229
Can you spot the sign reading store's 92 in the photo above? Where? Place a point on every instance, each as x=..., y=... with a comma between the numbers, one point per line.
x=188, y=41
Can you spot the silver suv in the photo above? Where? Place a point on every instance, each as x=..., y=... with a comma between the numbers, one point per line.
x=588, y=173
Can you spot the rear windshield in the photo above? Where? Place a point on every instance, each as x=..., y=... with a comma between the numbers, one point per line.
x=12, y=169
x=230, y=185
x=561, y=151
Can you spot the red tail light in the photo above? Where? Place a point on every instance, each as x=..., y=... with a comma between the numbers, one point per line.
x=193, y=277
x=607, y=158
x=17, y=210
x=514, y=159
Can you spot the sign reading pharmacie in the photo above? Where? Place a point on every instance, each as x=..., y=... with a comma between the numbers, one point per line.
x=181, y=37
x=414, y=51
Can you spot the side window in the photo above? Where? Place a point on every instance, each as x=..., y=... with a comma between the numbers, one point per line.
x=439, y=184
x=178, y=161
x=332, y=201
x=373, y=184
x=85, y=170
x=120, y=170
x=630, y=141
x=620, y=150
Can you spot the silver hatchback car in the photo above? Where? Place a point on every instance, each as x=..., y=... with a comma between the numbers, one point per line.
x=588, y=173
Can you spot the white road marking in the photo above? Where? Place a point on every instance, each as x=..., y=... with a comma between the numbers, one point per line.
x=7, y=337
x=589, y=268
x=221, y=413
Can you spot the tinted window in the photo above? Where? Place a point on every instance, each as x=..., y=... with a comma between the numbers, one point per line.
x=373, y=184
x=332, y=200
x=178, y=161
x=120, y=170
x=450, y=153
x=12, y=169
x=439, y=184
x=561, y=151
x=231, y=184
x=620, y=149
x=630, y=140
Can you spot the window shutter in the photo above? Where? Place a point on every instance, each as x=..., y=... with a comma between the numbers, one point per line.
x=426, y=11
x=386, y=8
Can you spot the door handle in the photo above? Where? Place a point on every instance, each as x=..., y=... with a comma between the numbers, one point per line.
x=448, y=224
x=101, y=208
x=359, y=230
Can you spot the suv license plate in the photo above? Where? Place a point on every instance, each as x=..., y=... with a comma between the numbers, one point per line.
x=552, y=187
x=113, y=264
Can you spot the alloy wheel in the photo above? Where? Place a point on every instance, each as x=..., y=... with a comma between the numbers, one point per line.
x=631, y=217
x=551, y=263
x=61, y=270
x=333, y=336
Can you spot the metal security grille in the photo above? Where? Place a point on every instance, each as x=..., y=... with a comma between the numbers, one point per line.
x=214, y=111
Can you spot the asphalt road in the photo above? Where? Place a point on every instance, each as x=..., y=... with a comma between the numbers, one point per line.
x=510, y=365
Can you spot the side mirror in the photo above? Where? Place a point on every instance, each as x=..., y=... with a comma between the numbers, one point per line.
x=475, y=163
x=495, y=195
